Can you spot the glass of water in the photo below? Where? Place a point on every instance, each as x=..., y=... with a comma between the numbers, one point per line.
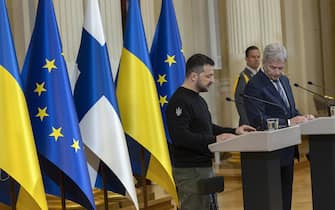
x=332, y=110
x=273, y=123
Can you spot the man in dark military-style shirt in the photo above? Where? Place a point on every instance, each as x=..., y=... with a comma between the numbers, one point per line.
x=191, y=130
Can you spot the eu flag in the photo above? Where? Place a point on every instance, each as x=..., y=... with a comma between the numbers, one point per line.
x=52, y=111
x=167, y=59
x=139, y=108
x=98, y=110
x=18, y=153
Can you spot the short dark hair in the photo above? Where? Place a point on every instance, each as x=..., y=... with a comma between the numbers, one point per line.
x=196, y=62
x=252, y=47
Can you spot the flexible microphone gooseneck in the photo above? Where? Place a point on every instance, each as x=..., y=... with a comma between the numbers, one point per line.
x=260, y=100
x=329, y=101
x=310, y=91
x=262, y=126
x=248, y=97
x=323, y=88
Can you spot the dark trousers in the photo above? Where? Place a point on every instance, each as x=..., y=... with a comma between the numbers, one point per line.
x=286, y=183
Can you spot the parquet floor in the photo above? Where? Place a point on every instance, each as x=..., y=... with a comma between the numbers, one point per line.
x=231, y=198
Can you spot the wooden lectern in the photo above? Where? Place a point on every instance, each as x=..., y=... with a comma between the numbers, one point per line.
x=260, y=164
x=321, y=132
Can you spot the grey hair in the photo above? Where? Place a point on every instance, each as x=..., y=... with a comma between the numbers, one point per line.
x=274, y=52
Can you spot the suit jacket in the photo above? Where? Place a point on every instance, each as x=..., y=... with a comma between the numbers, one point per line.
x=242, y=81
x=260, y=86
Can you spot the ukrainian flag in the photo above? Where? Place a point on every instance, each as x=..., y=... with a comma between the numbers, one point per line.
x=18, y=153
x=139, y=106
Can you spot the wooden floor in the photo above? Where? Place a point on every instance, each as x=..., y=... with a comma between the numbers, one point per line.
x=231, y=198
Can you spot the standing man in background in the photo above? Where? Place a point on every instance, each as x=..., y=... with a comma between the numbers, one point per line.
x=252, y=58
x=271, y=85
x=191, y=130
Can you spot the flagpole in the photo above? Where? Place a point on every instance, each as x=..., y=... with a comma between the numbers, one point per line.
x=123, y=13
x=12, y=192
x=144, y=181
x=104, y=178
x=62, y=190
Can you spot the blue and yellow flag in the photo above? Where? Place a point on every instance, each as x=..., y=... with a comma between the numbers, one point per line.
x=139, y=107
x=52, y=112
x=18, y=153
x=167, y=59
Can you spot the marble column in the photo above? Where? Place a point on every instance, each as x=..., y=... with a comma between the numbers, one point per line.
x=22, y=17
x=249, y=22
x=270, y=22
x=149, y=19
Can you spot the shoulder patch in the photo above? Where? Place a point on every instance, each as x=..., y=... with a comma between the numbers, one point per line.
x=179, y=111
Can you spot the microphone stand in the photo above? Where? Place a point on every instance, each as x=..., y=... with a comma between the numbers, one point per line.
x=269, y=103
x=329, y=100
x=262, y=126
x=310, y=91
x=323, y=88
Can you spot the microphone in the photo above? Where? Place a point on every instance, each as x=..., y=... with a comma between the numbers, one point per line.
x=323, y=88
x=261, y=100
x=329, y=101
x=310, y=91
x=265, y=102
x=262, y=127
x=247, y=121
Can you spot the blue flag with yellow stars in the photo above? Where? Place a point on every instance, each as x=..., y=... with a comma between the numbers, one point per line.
x=167, y=59
x=52, y=112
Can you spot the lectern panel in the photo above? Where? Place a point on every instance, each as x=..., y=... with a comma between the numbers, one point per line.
x=319, y=126
x=260, y=141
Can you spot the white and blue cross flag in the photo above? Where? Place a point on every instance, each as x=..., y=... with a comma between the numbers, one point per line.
x=98, y=110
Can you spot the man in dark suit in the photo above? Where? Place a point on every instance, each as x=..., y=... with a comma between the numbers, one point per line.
x=271, y=85
x=252, y=59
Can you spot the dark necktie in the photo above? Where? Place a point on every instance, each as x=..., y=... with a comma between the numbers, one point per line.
x=281, y=92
